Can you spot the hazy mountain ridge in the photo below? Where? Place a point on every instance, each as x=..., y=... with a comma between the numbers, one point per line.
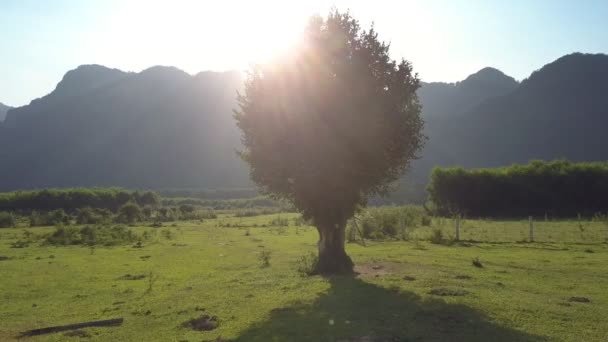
x=158, y=128
x=164, y=128
x=441, y=99
x=3, y=110
x=560, y=111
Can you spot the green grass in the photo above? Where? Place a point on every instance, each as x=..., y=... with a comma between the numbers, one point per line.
x=521, y=293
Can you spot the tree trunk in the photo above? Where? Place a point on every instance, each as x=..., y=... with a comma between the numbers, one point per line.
x=332, y=256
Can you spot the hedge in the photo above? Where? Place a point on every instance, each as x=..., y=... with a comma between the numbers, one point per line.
x=557, y=188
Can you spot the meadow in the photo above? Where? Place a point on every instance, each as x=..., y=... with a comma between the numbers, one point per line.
x=245, y=275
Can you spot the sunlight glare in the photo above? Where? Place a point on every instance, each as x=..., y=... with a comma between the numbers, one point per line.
x=200, y=35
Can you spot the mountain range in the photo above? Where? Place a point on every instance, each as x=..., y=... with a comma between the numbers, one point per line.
x=164, y=128
x=3, y=109
x=158, y=128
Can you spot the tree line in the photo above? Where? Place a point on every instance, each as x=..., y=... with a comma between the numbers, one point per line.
x=557, y=188
x=75, y=198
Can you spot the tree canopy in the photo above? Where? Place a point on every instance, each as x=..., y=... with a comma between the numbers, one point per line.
x=329, y=124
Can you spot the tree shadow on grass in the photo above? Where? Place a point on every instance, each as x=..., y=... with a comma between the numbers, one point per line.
x=353, y=310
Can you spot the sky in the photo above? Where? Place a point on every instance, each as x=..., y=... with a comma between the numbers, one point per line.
x=445, y=40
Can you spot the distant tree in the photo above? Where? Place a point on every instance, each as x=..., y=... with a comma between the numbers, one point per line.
x=164, y=213
x=149, y=198
x=130, y=212
x=146, y=212
x=186, y=209
x=329, y=125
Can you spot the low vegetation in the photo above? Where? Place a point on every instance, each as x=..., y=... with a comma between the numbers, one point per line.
x=92, y=236
x=7, y=220
x=206, y=282
x=387, y=222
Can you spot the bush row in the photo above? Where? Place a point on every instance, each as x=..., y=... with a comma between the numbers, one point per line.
x=217, y=204
x=558, y=188
x=128, y=213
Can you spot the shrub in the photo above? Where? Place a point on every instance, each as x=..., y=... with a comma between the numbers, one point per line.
x=52, y=218
x=386, y=222
x=103, y=235
x=425, y=220
x=20, y=244
x=307, y=264
x=58, y=216
x=437, y=236
x=90, y=215
x=38, y=219
x=65, y=236
x=167, y=234
x=250, y=212
x=280, y=222
x=186, y=209
x=7, y=220
x=208, y=214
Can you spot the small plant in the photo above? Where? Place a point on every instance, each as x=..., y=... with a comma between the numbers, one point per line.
x=426, y=220
x=280, y=222
x=167, y=234
x=264, y=258
x=477, y=263
x=437, y=236
x=151, y=280
x=20, y=244
x=419, y=246
x=307, y=264
x=247, y=232
x=7, y=220
x=281, y=230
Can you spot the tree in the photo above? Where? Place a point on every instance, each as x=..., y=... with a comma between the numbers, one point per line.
x=130, y=213
x=331, y=124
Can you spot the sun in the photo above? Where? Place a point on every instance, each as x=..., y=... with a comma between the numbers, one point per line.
x=268, y=31
x=200, y=35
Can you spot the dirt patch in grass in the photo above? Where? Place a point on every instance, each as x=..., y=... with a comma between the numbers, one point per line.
x=203, y=323
x=579, y=300
x=377, y=269
x=448, y=292
x=132, y=277
x=463, y=276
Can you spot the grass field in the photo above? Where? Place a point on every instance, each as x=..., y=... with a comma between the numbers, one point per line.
x=405, y=290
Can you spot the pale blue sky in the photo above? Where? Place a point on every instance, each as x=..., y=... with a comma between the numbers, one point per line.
x=445, y=40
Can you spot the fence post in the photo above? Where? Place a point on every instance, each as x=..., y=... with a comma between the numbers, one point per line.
x=458, y=228
x=531, y=228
